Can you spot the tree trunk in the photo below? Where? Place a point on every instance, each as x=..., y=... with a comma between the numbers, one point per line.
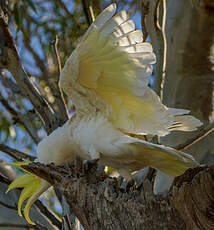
x=99, y=202
x=190, y=70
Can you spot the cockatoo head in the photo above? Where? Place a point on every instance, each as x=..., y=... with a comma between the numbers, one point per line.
x=53, y=148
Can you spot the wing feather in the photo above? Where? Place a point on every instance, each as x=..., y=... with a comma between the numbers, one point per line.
x=114, y=22
x=182, y=121
x=124, y=28
x=136, y=48
x=113, y=61
x=105, y=15
x=131, y=38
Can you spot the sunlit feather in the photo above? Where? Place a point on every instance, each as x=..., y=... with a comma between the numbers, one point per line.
x=107, y=78
x=31, y=184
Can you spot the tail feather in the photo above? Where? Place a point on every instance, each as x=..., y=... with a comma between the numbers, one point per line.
x=184, y=122
x=173, y=168
x=168, y=160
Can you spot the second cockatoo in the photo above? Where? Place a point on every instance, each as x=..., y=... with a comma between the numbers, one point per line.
x=107, y=77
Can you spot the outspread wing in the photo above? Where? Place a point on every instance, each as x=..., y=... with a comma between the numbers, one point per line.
x=113, y=61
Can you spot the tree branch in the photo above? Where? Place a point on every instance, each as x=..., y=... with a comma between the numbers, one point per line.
x=160, y=30
x=8, y=83
x=38, y=226
x=18, y=155
x=88, y=10
x=9, y=225
x=48, y=214
x=4, y=179
x=154, y=21
x=11, y=61
x=96, y=198
x=21, y=119
x=144, y=14
x=204, y=131
x=8, y=206
x=55, y=45
x=58, y=93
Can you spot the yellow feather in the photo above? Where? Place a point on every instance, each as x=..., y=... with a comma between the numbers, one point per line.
x=28, y=191
x=19, y=164
x=21, y=181
x=168, y=160
x=31, y=185
x=116, y=77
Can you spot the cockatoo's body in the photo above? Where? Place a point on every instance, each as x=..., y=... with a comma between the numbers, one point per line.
x=107, y=79
x=94, y=137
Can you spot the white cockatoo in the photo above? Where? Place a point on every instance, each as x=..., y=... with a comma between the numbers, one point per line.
x=107, y=77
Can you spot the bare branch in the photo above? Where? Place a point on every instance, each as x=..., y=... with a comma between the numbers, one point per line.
x=74, y=20
x=4, y=179
x=154, y=21
x=8, y=206
x=38, y=226
x=144, y=13
x=46, y=212
x=62, y=4
x=11, y=61
x=160, y=30
x=8, y=83
x=58, y=92
x=55, y=45
x=18, y=155
x=21, y=119
x=88, y=10
x=9, y=225
x=38, y=60
x=204, y=131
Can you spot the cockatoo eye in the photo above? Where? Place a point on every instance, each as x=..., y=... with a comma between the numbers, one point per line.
x=31, y=184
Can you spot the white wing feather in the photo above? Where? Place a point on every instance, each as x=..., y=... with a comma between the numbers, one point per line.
x=113, y=61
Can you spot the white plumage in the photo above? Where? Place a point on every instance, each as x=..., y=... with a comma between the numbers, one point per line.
x=109, y=71
x=107, y=77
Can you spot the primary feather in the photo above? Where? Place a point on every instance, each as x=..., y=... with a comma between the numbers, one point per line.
x=111, y=68
x=107, y=77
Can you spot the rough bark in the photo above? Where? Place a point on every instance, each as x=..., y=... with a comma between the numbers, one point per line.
x=99, y=202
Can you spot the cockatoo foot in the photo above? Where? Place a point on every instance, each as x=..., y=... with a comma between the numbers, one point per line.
x=94, y=155
x=140, y=176
x=127, y=184
x=136, y=179
x=90, y=164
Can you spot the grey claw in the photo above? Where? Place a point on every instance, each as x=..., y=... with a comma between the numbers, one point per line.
x=90, y=164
